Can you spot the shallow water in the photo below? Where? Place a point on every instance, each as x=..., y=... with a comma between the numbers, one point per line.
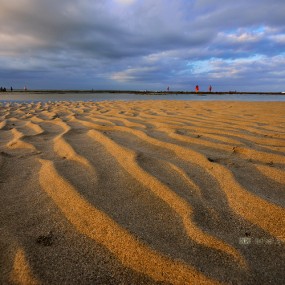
x=44, y=97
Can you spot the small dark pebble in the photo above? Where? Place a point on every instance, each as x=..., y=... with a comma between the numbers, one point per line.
x=45, y=240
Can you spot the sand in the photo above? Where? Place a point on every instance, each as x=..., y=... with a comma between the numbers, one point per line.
x=146, y=192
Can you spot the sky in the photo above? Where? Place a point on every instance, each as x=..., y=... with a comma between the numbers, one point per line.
x=143, y=44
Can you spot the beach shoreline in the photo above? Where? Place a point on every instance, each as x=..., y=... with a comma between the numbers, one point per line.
x=142, y=192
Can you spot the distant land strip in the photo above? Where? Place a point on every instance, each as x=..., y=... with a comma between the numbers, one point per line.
x=145, y=92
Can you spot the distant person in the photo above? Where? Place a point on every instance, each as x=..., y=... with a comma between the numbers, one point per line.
x=168, y=88
x=11, y=89
x=25, y=88
x=197, y=88
x=210, y=88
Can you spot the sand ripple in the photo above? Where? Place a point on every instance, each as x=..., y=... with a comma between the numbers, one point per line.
x=142, y=193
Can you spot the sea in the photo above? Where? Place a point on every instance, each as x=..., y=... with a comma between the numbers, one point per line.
x=29, y=97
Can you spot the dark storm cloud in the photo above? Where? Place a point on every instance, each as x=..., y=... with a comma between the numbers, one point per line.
x=142, y=43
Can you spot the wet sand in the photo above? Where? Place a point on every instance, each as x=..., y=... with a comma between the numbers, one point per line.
x=149, y=192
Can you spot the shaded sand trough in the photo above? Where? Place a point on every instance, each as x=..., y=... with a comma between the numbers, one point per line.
x=149, y=192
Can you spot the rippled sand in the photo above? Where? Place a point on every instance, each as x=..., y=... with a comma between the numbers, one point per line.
x=151, y=192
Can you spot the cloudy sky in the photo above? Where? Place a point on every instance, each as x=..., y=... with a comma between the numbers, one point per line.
x=143, y=44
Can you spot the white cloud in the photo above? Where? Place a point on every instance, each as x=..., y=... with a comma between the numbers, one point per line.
x=125, y=2
x=241, y=36
x=131, y=74
x=278, y=38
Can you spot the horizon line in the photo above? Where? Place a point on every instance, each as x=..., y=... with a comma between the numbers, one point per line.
x=153, y=92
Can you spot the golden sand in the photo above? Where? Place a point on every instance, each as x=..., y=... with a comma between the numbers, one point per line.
x=150, y=192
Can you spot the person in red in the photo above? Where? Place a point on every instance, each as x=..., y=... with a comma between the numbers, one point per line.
x=197, y=88
x=210, y=88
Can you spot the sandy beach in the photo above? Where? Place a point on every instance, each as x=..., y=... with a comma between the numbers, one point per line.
x=144, y=192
